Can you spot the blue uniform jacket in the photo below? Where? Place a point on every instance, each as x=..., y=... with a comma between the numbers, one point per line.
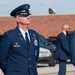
x=15, y=56
x=62, y=47
x=72, y=47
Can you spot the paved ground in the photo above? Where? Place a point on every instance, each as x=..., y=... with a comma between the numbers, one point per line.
x=46, y=70
x=54, y=70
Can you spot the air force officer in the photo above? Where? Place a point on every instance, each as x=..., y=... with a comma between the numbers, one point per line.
x=19, y=47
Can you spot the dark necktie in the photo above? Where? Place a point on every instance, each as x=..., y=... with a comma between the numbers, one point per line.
x=27, y=40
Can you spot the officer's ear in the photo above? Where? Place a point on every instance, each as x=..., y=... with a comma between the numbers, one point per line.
x=17, y=18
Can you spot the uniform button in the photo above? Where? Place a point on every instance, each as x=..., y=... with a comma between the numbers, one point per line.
x=29, y=58
x=29, y=65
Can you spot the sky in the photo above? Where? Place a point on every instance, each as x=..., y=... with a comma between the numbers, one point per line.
x=38, y=7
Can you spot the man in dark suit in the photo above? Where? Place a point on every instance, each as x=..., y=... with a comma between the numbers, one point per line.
x=19, y=47
x=62, y=49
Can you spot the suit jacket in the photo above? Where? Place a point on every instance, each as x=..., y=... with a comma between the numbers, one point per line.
x=62, y=47
x=72, y=47
x=15, y=56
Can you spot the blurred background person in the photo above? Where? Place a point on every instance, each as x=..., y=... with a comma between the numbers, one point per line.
x=62, y=49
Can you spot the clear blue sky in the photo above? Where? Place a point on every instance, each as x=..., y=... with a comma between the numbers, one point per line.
x=39, y=7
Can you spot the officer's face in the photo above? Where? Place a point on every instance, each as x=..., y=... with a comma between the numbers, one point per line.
x=23, y=19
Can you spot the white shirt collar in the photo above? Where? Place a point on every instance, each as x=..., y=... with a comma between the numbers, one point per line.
x=64, y=32
x=23, y=33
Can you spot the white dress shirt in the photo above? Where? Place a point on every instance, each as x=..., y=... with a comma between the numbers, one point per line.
x=23, y=33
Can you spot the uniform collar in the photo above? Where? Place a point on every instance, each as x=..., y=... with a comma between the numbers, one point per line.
x=23, y=32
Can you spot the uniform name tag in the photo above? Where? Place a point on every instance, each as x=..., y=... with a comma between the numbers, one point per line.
x=16, y=45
